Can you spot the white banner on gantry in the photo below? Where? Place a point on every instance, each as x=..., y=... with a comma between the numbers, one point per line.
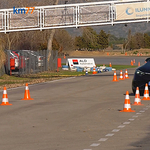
x=95, y=13
x=59, y=16
x=132, y=11
x=1, y=21
x=74, y=15
x=23, y=20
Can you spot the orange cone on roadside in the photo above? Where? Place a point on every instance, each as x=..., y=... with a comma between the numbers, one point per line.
x=126, y=74
x=64, y=56
x=134, y=61
x=121, y=75
x=146, y=93
x=131, y=62
x=94, y=71
x=139, y=64
x=115, y=77
x=110, y=64
x=5, y=98
x=27, y=93
x=137, y=100
x=127, y=105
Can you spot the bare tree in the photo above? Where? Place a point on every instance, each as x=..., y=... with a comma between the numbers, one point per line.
x=50, y=40
x=65, y=40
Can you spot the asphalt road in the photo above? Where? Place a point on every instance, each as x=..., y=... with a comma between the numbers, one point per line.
x=115, y=60
x=79, y=113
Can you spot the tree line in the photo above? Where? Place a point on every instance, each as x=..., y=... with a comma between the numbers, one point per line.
x=36, y=40
x=91, y=40
x=137, y=41
x=63, y=41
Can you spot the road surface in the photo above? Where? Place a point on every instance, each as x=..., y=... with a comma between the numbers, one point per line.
x=78, y=113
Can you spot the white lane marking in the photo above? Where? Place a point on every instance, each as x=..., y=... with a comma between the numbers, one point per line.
x=95, y=144
x=115, y=130
x=103, y=139
x=60, y=79
x=121, y=126
x=134, y=116
x=131, y=119
x=87, y=149
x=109, y=134
x=142, y=111
x=126, y=123
x=138, y=113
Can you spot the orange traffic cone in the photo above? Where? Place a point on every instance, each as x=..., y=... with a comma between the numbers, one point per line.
x=110, y=64
x=115, y=77
x=134, y=61
x=139, y=64
x=5, y=98
x=146, y=93
x=121, y=75
x=131, y=63
x=64, y=56
x=137, y=100
x=94, y=71
x=126, y=74
x=127, y=105
x=27, y=93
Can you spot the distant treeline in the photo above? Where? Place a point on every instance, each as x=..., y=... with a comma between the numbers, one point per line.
x=63, y=41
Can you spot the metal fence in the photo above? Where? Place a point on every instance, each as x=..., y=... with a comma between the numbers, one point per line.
x=24, y=62
x=2, y=71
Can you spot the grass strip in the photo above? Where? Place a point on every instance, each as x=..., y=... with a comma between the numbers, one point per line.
x=47, y=76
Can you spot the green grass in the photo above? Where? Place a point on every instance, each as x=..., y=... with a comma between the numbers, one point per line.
x=46, y=76
x=119, y=67
x=7, y=77
x=63, y=73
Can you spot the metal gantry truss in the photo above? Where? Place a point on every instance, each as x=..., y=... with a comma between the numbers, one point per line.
x=65, y=16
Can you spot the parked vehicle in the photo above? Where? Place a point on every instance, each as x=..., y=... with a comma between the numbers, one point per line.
x=141, y=77
x=35, y=55
x=39, y=57
x=20, y=60
x=30, y=60
x=23, y=62
x=12, y=62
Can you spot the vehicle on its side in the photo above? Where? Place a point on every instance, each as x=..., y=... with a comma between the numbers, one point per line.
x=141, y=77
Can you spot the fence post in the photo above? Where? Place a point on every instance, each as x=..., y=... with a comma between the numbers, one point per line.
x=46, y=66
x=8, y=65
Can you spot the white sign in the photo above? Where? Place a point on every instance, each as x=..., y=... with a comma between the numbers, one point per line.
x=80, y=62
x=132, y=11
